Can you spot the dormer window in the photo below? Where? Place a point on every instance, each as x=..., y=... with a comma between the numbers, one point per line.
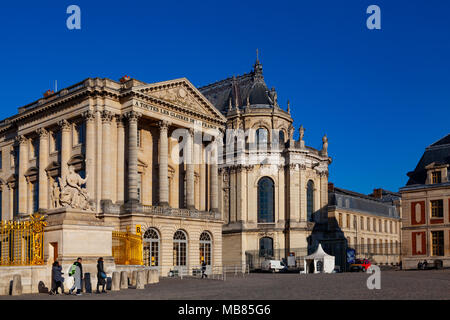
x=436, y=177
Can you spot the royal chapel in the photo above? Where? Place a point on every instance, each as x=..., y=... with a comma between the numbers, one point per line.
x=209, y=174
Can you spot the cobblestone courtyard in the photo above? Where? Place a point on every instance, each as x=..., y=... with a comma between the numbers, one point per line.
x=431, y=284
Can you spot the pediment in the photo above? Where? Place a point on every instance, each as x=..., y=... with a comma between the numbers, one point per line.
x=182, y=93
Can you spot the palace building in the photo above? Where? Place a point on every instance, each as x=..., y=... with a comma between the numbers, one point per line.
x=104, y=155
x=273, y=190
x=426, y=203
x=210, y=174
x=371, y=224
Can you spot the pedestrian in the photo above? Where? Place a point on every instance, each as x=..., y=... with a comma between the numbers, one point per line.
x=77, y=273
x=101, y=276
x=57, y=278
x=425, y=265
x=204, y=275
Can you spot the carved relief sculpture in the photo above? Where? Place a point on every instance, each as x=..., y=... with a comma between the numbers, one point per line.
x=71, y=192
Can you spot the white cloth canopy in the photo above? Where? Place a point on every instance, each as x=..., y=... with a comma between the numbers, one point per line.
x=321, y=257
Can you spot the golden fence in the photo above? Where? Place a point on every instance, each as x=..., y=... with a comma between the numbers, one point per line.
x=22, y=242
x=127, y=248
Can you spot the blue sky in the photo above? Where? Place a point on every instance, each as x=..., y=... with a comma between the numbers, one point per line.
x=381, y=96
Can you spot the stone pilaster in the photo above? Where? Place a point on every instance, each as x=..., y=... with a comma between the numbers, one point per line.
x=23, y=166
x=65, y=147
x=89, y=117
x=163, y=163
x=107, y=182
x=43, y=162
x=132, y=117
x=214, y=179
x=120, y=159
x=190, y=182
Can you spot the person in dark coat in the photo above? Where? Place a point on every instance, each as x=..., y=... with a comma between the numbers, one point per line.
x=101, y=276
x=204, y=275
x=57, y=278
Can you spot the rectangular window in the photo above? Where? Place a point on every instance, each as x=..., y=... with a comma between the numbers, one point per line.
x=380, y=225
x=15, y=201
x=436, y=177
x=35, y=193
x=437, y=208
x=348, y=221
x=340, y=219
x=79, y=134
x=1, y=160
x=362, y=223
x=437, y=240
x=368, y=224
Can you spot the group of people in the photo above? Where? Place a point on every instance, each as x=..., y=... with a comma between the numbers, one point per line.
x=422, y=265
x=76, y=271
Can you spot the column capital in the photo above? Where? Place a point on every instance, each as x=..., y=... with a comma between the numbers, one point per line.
x=42, y=133
x=64, y=125
x=106, y=117
x=89, y=115
x=163, y=124
x=21, y=139
x=120, y=120
x=133, y=116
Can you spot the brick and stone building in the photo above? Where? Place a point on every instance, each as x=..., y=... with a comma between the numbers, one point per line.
x=426, y=208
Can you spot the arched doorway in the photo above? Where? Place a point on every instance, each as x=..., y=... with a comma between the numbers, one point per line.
x=179, y=249
x=266, y=247
x=205, y=248
x=151, y=248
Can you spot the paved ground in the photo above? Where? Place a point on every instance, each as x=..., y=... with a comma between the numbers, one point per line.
x=430, y=284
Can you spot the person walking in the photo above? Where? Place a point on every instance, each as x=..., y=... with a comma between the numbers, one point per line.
x=204, y=275
x=57, y=278
x=77, y=273
x=101, y=276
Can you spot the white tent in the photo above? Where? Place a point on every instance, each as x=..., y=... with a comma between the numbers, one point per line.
x=319, y=262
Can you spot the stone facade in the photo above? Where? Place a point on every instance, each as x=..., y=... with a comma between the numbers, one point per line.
x=259, y=145
x=103, y=155
x=370, y=224
x=426, y=208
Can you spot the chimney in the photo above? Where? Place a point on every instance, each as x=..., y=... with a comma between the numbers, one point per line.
x=330, y=187
x=377, y=193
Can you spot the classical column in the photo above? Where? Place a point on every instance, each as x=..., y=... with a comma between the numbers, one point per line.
x=107, y=182
x=43, y=162
x=120, y=159
x=23, y=166
x=133, y=118
x=89, y=117
x=190, y=182
x=65, y=147
x=163, y=163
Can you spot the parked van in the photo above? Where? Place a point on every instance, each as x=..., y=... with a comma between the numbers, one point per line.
x=272, y=265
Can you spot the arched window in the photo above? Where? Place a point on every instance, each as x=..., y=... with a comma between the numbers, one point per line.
x=205, y=248
x=281, y=138
x=151, y=248
x=310, y=200
x=266, y=200
x=266, y=247
x=179, y=248
x=261, y=137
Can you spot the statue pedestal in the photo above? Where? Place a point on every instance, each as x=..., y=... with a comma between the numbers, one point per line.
x=73, y=233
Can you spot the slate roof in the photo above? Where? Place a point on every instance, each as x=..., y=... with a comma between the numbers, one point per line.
x=250, y=85
x=354, y=201
x=438, y=152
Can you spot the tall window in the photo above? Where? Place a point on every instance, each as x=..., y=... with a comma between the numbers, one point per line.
x=139, y=187
x=437, y=240
x=151, y=248
x=261, y=137
x=348, y=221
x=266, y=200
x=179, y=248
x=362, y=223
x=436, y=177
x=310, y=200
x=266, y=247
x=281, y=138
x=1, y=161
x=205, y=248
x=79, y=133
x=340, y=219
x=1, y=204
x=35, y=193
x=437, y=208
